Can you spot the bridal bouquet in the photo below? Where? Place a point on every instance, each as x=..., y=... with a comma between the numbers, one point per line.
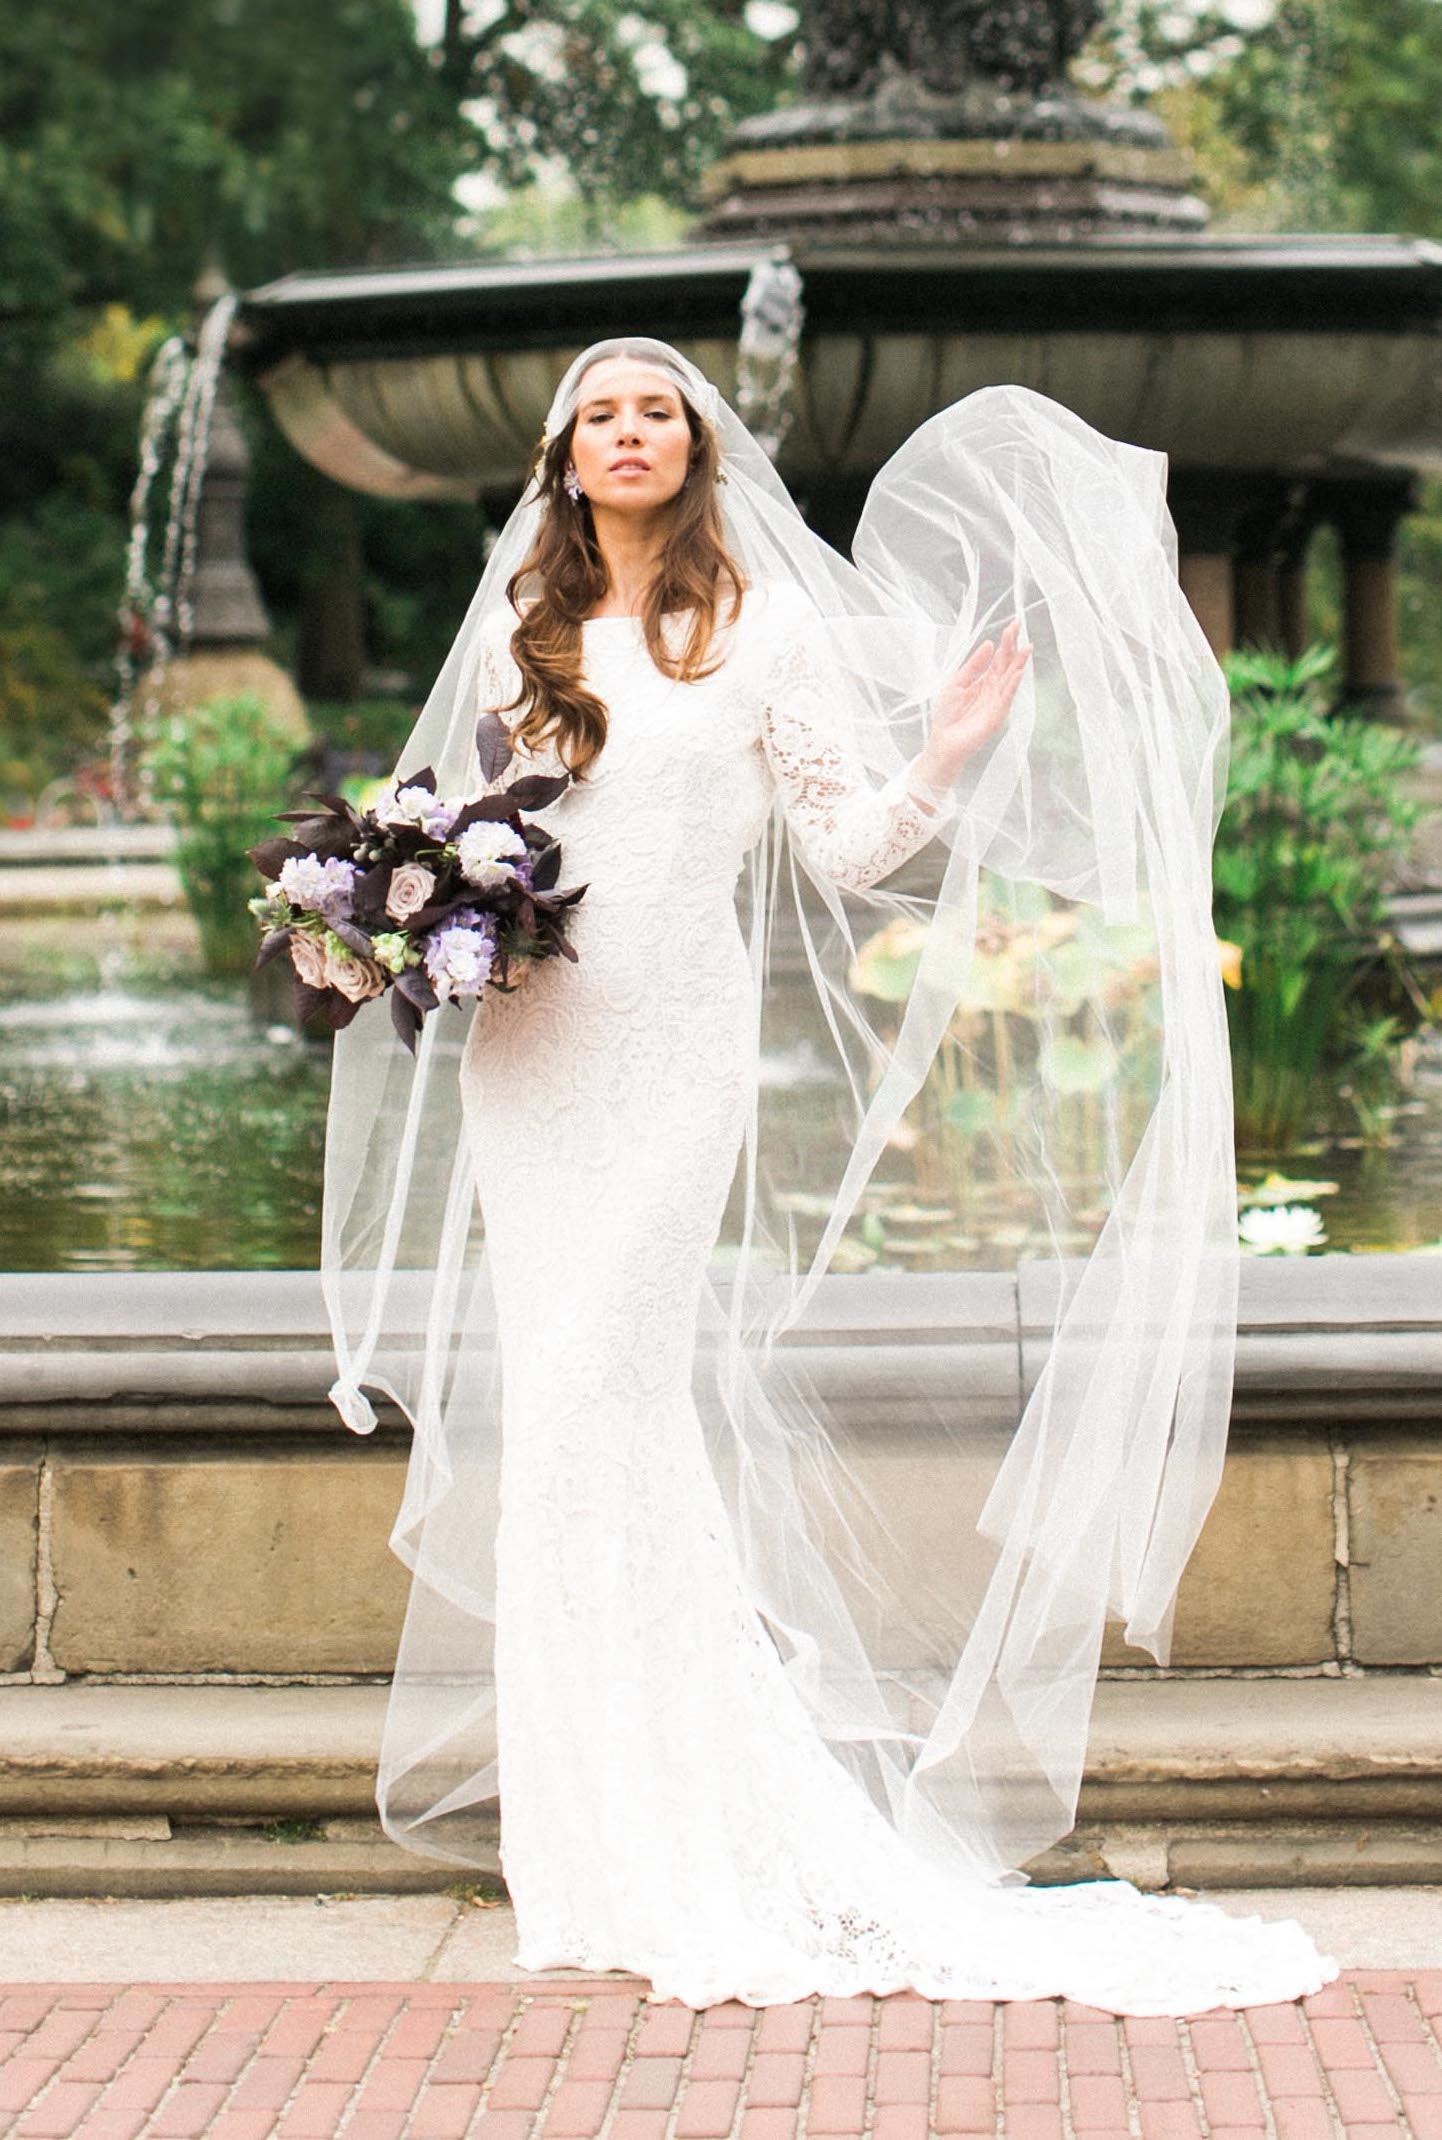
x=428, y=898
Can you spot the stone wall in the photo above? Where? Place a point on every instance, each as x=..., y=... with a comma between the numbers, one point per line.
x=158, y=1521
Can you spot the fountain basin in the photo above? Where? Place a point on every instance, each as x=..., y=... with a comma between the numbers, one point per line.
x=1305, y=354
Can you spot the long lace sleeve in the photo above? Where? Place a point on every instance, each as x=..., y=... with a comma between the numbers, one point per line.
x=851, y=831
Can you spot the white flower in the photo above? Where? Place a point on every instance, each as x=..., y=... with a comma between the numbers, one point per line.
x=481, y=848
x=405, y=806
x=411, y=887
x=1284, y=1229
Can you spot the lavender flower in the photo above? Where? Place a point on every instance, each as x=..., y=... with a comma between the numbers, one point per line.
x=324, y=888
x=459, y=955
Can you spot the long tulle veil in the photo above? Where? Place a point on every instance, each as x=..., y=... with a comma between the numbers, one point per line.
x=1017, y=1048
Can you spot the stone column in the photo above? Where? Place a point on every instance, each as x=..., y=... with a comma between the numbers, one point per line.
x=1209, y=506
x=1292, y=576
x=1264, y=539
x=1366, y=514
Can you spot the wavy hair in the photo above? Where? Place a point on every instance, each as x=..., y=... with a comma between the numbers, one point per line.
x=569, y=573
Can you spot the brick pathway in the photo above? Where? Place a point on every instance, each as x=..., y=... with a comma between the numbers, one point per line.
x=566, y=2059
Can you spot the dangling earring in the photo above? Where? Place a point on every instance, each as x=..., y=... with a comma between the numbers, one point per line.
x=571, y=482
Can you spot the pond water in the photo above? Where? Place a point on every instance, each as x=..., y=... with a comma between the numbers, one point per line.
x=151, y=1119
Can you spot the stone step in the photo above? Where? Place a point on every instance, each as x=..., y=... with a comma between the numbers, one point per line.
x=225, y=1789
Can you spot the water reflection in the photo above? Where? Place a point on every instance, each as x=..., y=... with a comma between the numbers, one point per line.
x=150, y=1121
x=147, y=1122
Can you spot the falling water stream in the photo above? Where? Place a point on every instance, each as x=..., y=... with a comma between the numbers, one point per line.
x=156, y=616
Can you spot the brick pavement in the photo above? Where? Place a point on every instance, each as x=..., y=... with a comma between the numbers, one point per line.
x=565, y=2059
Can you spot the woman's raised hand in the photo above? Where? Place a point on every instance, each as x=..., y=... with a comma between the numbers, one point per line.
x=972, y=704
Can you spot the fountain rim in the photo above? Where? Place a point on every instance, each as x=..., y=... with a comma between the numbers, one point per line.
x=1296, y=282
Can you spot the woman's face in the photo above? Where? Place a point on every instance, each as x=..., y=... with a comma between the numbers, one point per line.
x=631, y=443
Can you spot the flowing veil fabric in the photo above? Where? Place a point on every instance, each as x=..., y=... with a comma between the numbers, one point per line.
x=1019, y=1040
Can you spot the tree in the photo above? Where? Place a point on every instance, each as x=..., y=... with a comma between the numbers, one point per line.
x=632, y=101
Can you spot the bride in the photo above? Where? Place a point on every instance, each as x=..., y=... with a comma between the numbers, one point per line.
x=779, y=1680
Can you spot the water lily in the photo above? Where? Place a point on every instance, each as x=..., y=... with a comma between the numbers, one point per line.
x=1284, y=1230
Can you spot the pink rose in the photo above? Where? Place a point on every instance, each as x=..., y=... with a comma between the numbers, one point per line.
x=356, y=978
x=411, y=888
x=307, y=955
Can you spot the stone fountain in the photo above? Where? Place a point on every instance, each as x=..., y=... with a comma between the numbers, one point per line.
x=955, y=214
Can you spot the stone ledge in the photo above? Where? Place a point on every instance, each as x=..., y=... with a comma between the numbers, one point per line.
x=163, y=1790
x=1318, y=1336
x=166, y=1790
x=1161, y=1749
x=353, y=1857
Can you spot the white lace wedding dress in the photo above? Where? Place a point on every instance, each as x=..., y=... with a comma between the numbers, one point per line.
x=667, y=1805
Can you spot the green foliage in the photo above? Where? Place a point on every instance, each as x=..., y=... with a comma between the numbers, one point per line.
x=1327, y=115
x=631, y=102
x=370, y=728
x=144, y=136
x=140, y=139
x=58, y=589
x=221, y=771
x=1314, y=823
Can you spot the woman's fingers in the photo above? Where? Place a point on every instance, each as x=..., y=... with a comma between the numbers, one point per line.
x=975, y=662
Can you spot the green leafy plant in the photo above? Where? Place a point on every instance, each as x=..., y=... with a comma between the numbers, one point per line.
x=1057, y=1017
x=1315, y=820
x=221, y=771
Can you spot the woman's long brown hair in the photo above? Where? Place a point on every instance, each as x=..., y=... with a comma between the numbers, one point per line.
x=566, y=566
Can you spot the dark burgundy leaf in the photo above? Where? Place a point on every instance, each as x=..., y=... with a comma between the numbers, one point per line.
x=405, y=1018
x=425, y=778
x=440, y=910
x=486, y=809
x=416, y=989
x=534, y=790
x=547, y=867
x=341, y=1011
x=327, y=1004
x=270, y=854
x=372, y=891
x=326, y=837
x=493, y=746
x=271, y=946
x=353, y=938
